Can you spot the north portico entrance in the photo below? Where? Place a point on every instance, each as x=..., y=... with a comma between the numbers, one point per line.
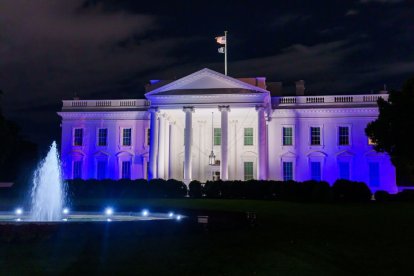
x=183, y=133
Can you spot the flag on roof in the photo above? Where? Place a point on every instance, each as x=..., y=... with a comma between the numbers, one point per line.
x=221, y=40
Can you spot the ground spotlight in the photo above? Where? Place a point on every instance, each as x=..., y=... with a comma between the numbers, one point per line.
x=18, y=219
x=65, y=219
x=18, y=211
x=178, y=217
x=65, y=211
x=170, y=214
x=109, y=211
x=108, y=220
x=145, y=213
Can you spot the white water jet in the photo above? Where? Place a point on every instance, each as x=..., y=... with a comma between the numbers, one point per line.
x=48, y=192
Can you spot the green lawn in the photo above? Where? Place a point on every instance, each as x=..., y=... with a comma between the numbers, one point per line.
x=290, y=239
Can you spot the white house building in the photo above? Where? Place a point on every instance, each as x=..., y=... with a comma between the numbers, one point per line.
x=209, y=126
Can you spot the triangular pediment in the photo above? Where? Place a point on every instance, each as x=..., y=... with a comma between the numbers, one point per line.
x=317, y=154
x=205, y=80
x=345, y=154
x=288, y=154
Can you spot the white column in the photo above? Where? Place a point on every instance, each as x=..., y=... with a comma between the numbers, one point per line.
x=261, y=143
x=172, y=162
x=224, y=169
x=234, y=153
x=161, y=147
x=152, y=172
x=202, y=159
x=167, y=148
x=188, y=137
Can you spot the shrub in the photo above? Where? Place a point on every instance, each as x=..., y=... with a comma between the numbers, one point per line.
x=212, y=189
x=382, y=196
x=351, y=191
x=195, y=189
x=175, y=188
x=405, y=195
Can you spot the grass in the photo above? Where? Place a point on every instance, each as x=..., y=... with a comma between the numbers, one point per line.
x=290, y=239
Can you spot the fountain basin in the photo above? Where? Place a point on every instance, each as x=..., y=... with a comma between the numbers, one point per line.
x=11, y=217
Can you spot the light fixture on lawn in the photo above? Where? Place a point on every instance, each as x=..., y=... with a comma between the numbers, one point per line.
x=212, y=157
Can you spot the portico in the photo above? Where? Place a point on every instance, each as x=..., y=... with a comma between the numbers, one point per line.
x=187, y=103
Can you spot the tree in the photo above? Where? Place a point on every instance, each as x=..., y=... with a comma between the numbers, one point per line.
x=7, y=134
x=392, y=131
x=17, y=155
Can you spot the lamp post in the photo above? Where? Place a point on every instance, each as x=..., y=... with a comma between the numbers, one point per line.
x=212, y=157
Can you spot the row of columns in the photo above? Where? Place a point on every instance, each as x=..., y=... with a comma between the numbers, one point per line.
x=158, y=150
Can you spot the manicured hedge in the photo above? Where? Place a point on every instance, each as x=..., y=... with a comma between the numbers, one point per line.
x=141, y=188
x=350, y=191
x=307, y=191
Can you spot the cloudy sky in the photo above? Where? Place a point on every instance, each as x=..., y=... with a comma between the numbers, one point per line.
x=54, y=49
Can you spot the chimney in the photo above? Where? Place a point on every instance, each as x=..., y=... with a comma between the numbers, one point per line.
x=385, y=90
x=300, y=88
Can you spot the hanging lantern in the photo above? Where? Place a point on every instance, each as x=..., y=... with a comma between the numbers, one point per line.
x=211, y=159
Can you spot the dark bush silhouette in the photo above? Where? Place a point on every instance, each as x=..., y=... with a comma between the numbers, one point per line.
x=308, y=191
x=195, y=189
x=351, y=191
x=212, y=189
x=176, y=188
x=125, y=188
x=382, y=196
x=405, y=195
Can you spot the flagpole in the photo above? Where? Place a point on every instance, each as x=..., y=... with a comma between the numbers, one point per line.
x=225, y=53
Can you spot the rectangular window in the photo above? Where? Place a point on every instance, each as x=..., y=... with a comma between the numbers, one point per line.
x=148, y=167
x=102, y=137
x=315, y=135
x=126, y=137
x=316, y=171
x=374, y=174
x=344, y=170
x=248, y=136
x=126, y=170
x=148, y=136
x=343, y=136
x=101, y=169
x=248, y=170
x=287, y=171
x=78, y=137
x=77, y=169
x=217, y=136
x=287, y=136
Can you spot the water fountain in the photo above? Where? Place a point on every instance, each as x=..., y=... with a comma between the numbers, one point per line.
x=48, y=192
x=49, y=201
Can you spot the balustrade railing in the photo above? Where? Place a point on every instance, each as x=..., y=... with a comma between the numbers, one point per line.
x=324, y=100
x=76, y=104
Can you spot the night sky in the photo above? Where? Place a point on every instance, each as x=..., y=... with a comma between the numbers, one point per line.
x=55, y=49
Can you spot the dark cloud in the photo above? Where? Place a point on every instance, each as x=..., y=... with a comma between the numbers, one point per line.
x=351, y=12
x=51, y=50
x=381, y=1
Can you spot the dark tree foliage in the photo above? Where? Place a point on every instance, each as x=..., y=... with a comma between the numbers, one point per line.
x=17, y=155
x=393, y=132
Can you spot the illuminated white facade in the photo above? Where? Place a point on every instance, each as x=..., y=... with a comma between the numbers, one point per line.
x=252, y=134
